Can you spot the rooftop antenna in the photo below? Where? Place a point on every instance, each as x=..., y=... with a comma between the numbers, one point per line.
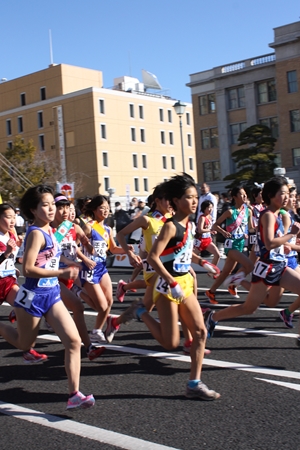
x=51, y=53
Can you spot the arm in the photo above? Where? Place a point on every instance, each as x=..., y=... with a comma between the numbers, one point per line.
x=140, y=222
x=115, y=249
x=217, y=225
x=200, y=225
x=268, y=222
x=10, y=247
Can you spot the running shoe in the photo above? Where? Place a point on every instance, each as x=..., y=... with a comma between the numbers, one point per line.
x=209, y=323
x=76, y=290
x=233, y=291
x=12, y=316
x=211, y=297
x=131, y=290
x=201, y=391
x=287, y=319
x=94, y=352
x=80, y=401
x=97, y=336
x=110, y=329
x=235, y=279
x=130, y=313
x=120, y=293
x=33, y=357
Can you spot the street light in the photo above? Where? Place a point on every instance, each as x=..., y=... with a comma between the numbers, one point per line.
x=179, y=109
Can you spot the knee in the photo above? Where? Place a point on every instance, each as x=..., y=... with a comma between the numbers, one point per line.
x=200, y=335
x=171, y=344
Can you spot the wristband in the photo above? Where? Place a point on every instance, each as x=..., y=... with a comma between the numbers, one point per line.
x=172, y=285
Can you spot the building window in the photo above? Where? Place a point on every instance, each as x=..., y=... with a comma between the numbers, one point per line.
x=296, y=156
x=236, y=98
x=203, y=105
x=8, y=127
x=171, y=140
x=235, y=131
x=43, y=93
x=105, y=159
x=191, y=163
x=101, y=106
x=211, y=171
x=23, y=99
x=272, y=123
x=207, y=104
x=134, y=160
x=20, y=124
x=295, y=120
x=211, y=104
x=40, y=119
x=164, y=162
x=103, y=131
x=106, y=183
x=173, y=162
x=141, y=111
x=146, y=188
x=188, y=119
x=133, y=138
x=209, y=138
x=292, y=81
x=9, y=145
x=144, y=161
x=136, y=184
x=266, y=91
x=169, y=116
x=131, y=110
x=161, y=114
x=42, y=142
x=162, y=137
x=189, y=139
x=143, y=139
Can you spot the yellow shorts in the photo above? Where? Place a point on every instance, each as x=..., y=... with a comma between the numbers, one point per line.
x=162, y=288
x=147, y=277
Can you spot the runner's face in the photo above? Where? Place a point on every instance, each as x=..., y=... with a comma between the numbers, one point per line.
x=292, y=200
x=162, y=205
x=62, y=213
x=72, y=213
x=7, y=221
x=240, y=198
x=281, y=198
x=188, y=203
x=45, y=211
x=208, y=210
x=101, y=212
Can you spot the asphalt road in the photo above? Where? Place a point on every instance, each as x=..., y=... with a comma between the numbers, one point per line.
x=139, y=389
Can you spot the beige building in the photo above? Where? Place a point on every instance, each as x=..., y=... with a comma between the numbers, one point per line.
x=228, y=99
x=123, y=138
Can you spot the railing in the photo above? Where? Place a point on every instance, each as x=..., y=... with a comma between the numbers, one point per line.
x=14, y=173
x=264, y=59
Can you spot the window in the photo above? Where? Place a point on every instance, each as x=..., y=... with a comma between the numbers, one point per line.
x=235, y=131
x=40, y=119
x=295, y=120
x=211, y=171
x=141, y=111
x=296, y=156
x=8, y=127
x=189, y=140
x=131, y=110
x=292, y=81
x=272, y=123
x=171, y=140
x=134, y=160
x=209, y=138
x=105, y=159
x=162, y=137
x=144, y=161
x=103, y=131
x=188, y=120
x=211, y=103
x=23, y=99
x=203, y=105
x=101, y=106
x=20, y=124
x=207, y=104
x=42, y=142
x=173, y=162
x=266, y=91
x=169, y=116
x=10, y=145
x=161, y=114
x=146, y=188
x=106, y=183
x=43, y=93
x=133, y=138
x=164, y=162
x=143, y=139
x=136, y=184
x=236, y=98
x=191, y=163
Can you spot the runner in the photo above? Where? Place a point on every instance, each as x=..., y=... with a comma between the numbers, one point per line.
x=204, y=229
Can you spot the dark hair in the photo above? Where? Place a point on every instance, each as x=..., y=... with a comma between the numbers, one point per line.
x=63, y=201
x=271, y=188
x=32, y=198
x=255, y=191
x=176, y=187
x=292, y=189
x=80, y=202
x=159, y=192
x=205, y=205
x=117, y=204
x=5, y=207
x=91, y=206
x=234, y=192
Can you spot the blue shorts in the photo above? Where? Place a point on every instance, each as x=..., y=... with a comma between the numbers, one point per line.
x=42, y=301
x=292, y=262
x=95, y=275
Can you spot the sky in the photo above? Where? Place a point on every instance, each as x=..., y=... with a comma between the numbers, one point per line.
x=169, y=38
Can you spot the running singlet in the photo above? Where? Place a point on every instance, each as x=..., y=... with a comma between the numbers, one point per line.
x=207, y=225
x=294, y=238
x=7, y=267
x=100, y=237
x=69, y=247
x=275, y=254
x=155, y=224
x=177, y=256
x=48, y=258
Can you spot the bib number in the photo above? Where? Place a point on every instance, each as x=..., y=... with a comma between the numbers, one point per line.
x=228, y=243
x=252, y=239
x=261, y=269
x=100, y=248
x=24, y=297
x=146, y=267
x=162, y=286
x=88, y=275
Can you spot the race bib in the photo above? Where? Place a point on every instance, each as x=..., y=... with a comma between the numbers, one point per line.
x=252, y=239
x=228, y=243
x=162, y=286
x=24, y=297
x=100, y=248
x=261, y=269
x=146, y=267
x=7, y=268
x=87, y=275
x=197, y=243
x=52, y=264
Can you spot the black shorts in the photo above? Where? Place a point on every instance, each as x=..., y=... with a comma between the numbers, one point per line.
x=269, y=272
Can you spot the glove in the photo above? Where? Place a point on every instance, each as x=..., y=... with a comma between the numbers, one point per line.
x=176, y=291
x=210, y=268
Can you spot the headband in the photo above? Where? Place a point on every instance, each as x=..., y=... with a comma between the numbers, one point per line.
x=60, y=197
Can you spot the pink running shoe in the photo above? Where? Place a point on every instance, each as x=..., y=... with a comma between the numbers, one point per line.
x=80, y=401
x=33, y=357
x=120, y=293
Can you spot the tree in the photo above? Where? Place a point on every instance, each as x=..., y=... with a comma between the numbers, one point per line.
x=255, y=162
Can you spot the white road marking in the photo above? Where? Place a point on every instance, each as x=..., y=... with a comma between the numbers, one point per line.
x=294, y=386
x=86, y=431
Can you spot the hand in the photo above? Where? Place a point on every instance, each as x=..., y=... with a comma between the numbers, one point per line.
x=70, y=273
x=134, y=259
x=176, y=291
x=10, y=246
x=90, y=264
x=295, y=228
x=226, y=234
x=286, y=249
